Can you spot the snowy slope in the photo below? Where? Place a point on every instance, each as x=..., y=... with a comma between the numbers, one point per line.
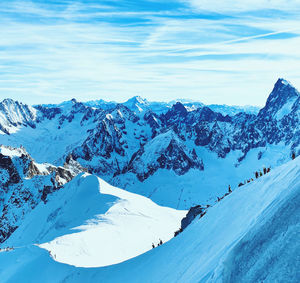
x=14, y=115
x=249, y=236
x=90, y=223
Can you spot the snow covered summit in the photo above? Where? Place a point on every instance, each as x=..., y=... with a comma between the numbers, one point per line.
x=88, y=223
x=13, y=115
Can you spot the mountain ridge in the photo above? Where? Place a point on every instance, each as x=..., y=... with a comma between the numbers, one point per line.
x=109, y=142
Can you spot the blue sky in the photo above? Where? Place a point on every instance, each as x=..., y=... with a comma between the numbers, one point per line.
x=213, y=51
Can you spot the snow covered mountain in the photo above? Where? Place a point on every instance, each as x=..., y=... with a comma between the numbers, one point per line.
x=25, y=183
x=249, y=236
x=63, y=217
x=138, y=104
x=131, y=146
x=14, y=115
x=85, y=222
x=233, y=110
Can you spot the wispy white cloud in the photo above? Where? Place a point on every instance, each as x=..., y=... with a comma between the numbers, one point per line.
x=56, y=52
x=225, y=6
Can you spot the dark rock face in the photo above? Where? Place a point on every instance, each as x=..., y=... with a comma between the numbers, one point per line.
x=165, y=153
x=118, y=138
x=48, y=112
x=119, y=147
x=154, y=122
x=16, y=114
x=7, y=165
x=282, y=92
x=177, y=113
x=23, y=186
x=192, y=214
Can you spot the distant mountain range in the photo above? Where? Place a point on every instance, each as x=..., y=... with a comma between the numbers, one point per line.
x=138, y=143
x=139, y=105
x=61, y=209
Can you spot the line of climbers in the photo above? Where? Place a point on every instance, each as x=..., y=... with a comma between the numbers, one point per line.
x=257, y=174
x=229, y=192
x=199, y=210
x=159, y=244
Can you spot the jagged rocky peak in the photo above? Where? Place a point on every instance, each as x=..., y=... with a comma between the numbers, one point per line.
x=179, y=107
x=137, y=99
x=17, y=164
x=25, y=183
x=165, y=151
x=208, y=115
x=121, y=113
x=11, y=105
x=280, y=100
x=137, y=104
x=14, y=114
x=74, y=166
x=177, y=113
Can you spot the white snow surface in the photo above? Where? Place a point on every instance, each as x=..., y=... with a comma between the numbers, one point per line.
x=252, y=235
x=10, y=151
x=89, y=223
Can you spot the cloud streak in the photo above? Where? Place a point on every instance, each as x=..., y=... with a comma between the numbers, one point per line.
x=51, y=52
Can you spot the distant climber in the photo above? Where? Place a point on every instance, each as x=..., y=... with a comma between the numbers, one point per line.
x=260, y=174
x=256, y=174
x=293, y=156
x=265, y=171
x=229, y=189
x=160, y=242
x=153, y=246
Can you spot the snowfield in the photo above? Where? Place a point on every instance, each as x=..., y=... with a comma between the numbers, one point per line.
x=89, y=223
x=252, y=235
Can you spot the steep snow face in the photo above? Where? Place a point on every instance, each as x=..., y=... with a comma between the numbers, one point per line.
x=89, y=223
x=249, y=236
x=14, y=114
x=137, y=104
x=280, y=101
x=24, y=183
